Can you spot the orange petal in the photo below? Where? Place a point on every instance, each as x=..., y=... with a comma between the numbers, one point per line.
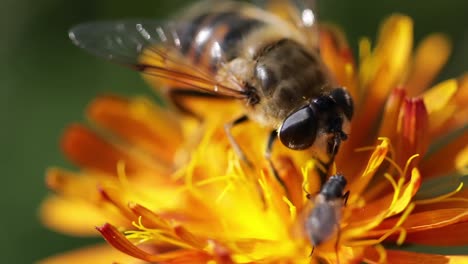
x=461, y=161
x=338, y=57
x=90, y=255
x=385, y=206
x=375, y=160
x=140, y=123
x=115, y=197
x=452, y=116
x=428, y=220
x=399, y=256
x=72, y=185
x=120, y=242
x=430, y=56
x=71, y=216
x=443, y=161
x=292, y=178
x=88, y=150
x=391, y=113
x=149, y=219
x=451, y=235
x=379, y=73
x=412, y=127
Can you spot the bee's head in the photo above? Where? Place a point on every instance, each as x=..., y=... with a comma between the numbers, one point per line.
x=299, y=129
x=323, y=115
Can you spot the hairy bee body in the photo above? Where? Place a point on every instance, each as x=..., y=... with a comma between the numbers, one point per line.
x=261, y=52
x=267, y=59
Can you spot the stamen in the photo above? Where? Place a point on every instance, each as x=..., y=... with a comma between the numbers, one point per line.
x=145, y=234
x=212, y=180
x=395, y=228
x=408, y=162
x=442, y=198
x=382, y=253
x=292, y=208
x=224, y=192
x=395, y=189
x=395, y=165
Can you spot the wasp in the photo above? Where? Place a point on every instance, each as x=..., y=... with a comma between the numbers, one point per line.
x=267, y=59
x=323, y=220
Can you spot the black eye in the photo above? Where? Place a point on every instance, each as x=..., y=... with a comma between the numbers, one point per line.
x=299, y=129
x=344, y=101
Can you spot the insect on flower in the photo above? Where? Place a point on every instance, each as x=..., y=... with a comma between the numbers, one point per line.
x=230, y=50
x=324, y=219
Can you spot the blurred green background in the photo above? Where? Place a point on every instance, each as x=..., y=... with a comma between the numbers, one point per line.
x=45, y=83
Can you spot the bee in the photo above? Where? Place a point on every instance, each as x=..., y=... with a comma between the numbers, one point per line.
x=323, y=221
x=266, y=59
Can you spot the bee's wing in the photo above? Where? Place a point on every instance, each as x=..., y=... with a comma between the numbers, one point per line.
x=300, y=13
x=154, y=48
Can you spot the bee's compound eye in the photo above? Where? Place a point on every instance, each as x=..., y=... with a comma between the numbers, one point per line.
x=299, y=129
x=344, y=101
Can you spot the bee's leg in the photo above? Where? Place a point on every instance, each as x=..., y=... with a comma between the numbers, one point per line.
x=345, y=197
x=269, y=147
x=312, y=251
x=177, y=96
x=232, y=140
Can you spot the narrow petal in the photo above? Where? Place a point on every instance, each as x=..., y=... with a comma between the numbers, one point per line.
x=140, y=123
x=450, y=235
x=452, y=115
x=292, y=178
x=381, y=72
x=73, y=217
x=430, y=56
x=399, y=256
x=149, y=219
x=357, y=186
x=74, y=185
x=391, y=113
x=461, y=161
x=90, y=255
x=88, y=150
x=428, y=220
x=338, y=57
x=121, y=243
x=412, y=130
x=443, y=161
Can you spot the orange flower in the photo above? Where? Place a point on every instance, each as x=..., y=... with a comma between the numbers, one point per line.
x=169, y=191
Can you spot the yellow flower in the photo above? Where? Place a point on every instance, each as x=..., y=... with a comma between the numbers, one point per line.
x=170, y=192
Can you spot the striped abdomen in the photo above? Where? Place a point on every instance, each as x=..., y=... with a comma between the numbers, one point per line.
x=210, y=38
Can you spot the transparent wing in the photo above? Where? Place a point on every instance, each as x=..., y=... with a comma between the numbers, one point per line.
x=301, y=13
x=154, y=48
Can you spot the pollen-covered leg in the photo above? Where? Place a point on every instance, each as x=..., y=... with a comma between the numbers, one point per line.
x=268, y=150
x=232, y=140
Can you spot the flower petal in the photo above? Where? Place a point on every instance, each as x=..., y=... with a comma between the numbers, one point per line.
x=452, y=111
x=379, y=73
x=140, y=123
x=120, y=242
x=428, y=220
x=412, y=130
x=399, y=256
x=391, y=113
x=443, y=161
x=71, y=216
x=338, y=57
x=430, y=56
x=97, y=254
x=89, y=150
x=451, y=235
